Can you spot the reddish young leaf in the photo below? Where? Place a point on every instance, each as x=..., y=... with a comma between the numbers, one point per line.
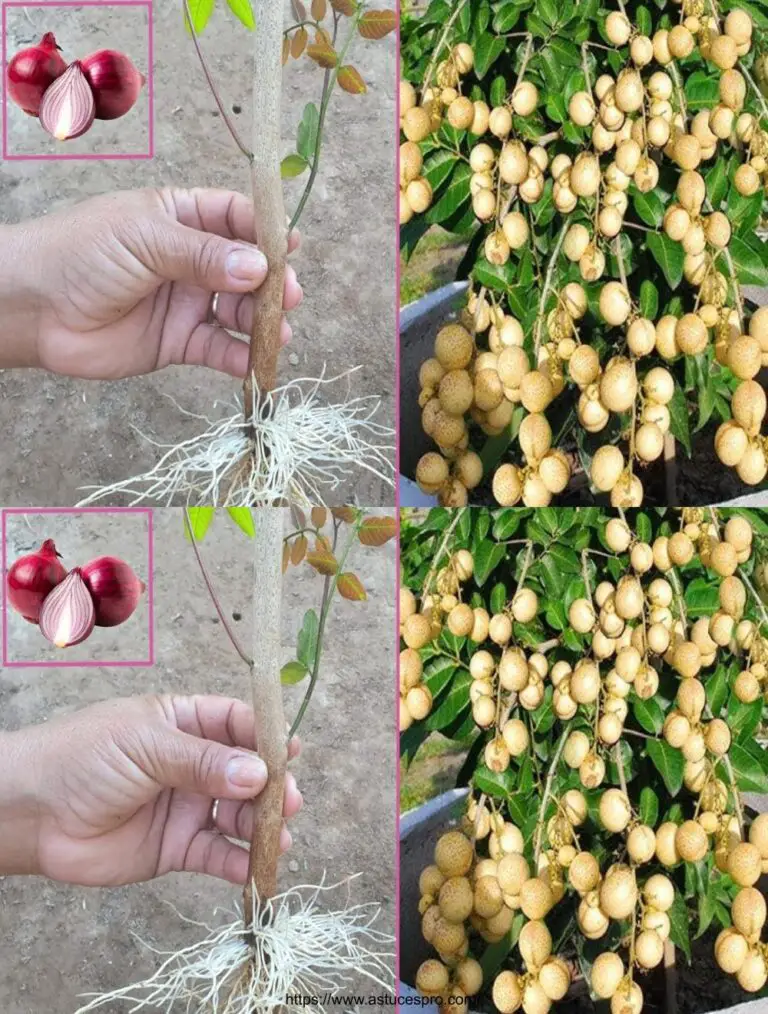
x=323, y=543
x=286, y=50
x=348, y=514
x=323, y=561
x=347, y=7
x=299, y=10
x=351, y=81
x=300, y=517
x=319, y=9
x=286, y=556
x=298, y=550
x=299, y=42
x=323, y=37
x=323, y=56
x=377, y=24
x=377, y=531
x=350, y=587
x=319, y=516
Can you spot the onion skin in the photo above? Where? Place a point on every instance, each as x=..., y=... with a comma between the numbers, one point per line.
x=32, y=71
x=68, y=614
x=32, y=578
x=115, y=590
x=115, y=82
x=68, y=108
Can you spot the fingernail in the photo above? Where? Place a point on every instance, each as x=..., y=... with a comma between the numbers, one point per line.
x=247, y=264
x=247, y=772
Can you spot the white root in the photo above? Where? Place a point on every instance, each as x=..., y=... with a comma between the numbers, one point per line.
x=294, y=447
x=294, y=948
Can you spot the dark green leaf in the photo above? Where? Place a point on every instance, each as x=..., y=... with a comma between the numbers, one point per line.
x=668, y=762
x=668, y=255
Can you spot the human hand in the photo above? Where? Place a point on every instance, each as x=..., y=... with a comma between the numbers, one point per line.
x=123, y=284
x=124, y=791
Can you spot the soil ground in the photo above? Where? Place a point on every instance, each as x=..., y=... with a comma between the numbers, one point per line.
x=61, y=434
x=61, y=941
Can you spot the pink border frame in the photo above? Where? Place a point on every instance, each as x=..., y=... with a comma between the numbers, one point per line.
x=397, y=514
x=55, y=664
x=140, y=156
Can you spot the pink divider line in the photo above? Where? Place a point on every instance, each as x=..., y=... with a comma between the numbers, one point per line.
x=397, y=515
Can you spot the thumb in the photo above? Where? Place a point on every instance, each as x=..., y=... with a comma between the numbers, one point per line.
x=182, y=254
x=207, y=768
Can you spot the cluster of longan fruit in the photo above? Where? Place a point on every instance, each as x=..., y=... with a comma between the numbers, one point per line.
x=627, y=117
x=420, y=626
x=420, y=119
x=738, y=949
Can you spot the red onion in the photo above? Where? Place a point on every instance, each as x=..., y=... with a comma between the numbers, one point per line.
x=68, y=615
x=115, y=589
x=32, y=577
x=31, y=72
x=68, y=108
x=115, y=82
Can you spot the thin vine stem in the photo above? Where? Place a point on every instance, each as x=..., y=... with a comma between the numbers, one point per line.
x=212, y=592
x=439, y=47
x=441, y=552
x=329, y=80
x=548, y=282
x=548, y=792
x=329, y=588
x=214, y=89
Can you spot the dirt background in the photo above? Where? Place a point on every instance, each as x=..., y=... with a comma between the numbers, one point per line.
x=80, y=538
x=80, y=31
x=60, y=434
x=60, y=941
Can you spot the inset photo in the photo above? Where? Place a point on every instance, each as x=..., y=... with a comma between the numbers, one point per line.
x=77, y=80
x=77, y=587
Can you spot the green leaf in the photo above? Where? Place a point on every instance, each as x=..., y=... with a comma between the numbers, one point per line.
x=306, y=140
x=751, y=774
x=200, y=520
x=243, y=518
x=293, y=672
x=455, y=193
x=668, y=255
x=649, y=806
x=201, y=11
x=487, y=557
x=649, y=299
x=717, y=183
x=750, y=263
x=649, y=714
x=668, y=762
x=679, y=422
x=702, y=597
x=649, y=207
x=243, y=12
x=306, y=646
x=293, y=166
x=717, y=688
x=678, y=918
x=487, y=51
x=452, y=703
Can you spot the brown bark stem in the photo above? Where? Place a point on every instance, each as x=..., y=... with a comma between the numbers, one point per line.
x=270, y=227
x=271, y=740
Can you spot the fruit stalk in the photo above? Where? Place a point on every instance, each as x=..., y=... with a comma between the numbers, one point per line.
x=548, y=791
x=269, y=715
x=268, y=205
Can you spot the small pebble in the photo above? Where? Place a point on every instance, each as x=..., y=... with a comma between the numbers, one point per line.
x=293, y=866
x=293, y=359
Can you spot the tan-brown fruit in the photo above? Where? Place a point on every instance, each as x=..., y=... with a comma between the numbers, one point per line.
x=691, y=334
x=724, y=52
x=745, y=864
x=618, y=892
x=525, y=98
x=724, y=559
x=731, y=443
x=592, y=771
x=456, y=392
x=618, y=385
x=417, y=631
x=680, y=41
x=468, y=468
x=649, y=949
x=454, y=854
x=431, y=472
x=456, y=899
x=666, y=844
x=535, y=944
x=507, y=485
x=615, y=304
x=416, y=124
x=691, y=842
x=507, y=992
x=432, y=977
x=615, y=810
x=641, y=844
x=617, y=28
x=607, y=973
x=454, y=347
x=748, y=911
x=536, y=391
x=419, y=702
x=753, y=974
x=536, y=898
x=746, y=180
